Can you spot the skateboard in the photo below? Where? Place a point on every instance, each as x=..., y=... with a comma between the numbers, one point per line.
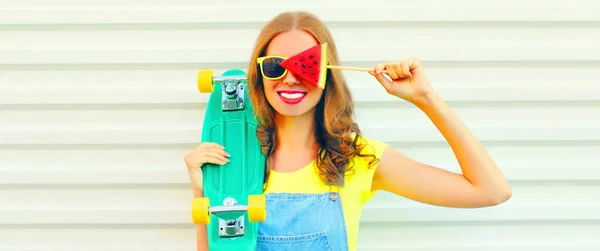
x=233, y=203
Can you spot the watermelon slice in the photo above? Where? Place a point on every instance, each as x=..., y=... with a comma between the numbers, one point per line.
x=310, y=65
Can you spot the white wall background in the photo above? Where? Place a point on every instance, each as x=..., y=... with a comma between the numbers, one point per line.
x=98, y=104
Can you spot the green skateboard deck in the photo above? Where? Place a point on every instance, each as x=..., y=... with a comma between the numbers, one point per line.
x=233, y=203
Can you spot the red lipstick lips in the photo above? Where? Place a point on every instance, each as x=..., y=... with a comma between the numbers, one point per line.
x=291, y=96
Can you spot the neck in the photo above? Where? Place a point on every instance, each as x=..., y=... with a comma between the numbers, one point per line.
x=295, y=133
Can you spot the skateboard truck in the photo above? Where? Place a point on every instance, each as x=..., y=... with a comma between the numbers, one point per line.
x=230, y=227
x=232, y=93
x=230, y=214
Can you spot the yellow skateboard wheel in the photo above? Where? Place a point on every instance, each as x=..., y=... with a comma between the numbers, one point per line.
x=200, y=214
x=257, y=208
x=205, y=83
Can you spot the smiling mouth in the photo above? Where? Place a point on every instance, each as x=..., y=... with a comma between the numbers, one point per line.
x=291, y=97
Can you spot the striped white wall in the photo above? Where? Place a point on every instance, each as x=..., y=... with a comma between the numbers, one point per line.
x=98, y=104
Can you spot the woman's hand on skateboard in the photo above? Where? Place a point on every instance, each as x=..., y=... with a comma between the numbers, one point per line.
x=206, y=152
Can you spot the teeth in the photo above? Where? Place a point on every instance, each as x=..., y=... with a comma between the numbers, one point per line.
x=292, y=95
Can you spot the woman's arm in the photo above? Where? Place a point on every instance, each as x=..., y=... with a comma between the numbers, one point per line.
x=481, y=183
x=206, y=152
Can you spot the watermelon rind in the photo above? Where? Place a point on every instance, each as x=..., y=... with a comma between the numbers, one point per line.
x=323, y=67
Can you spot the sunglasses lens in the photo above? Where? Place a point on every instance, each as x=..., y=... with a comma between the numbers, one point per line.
x=272, y=68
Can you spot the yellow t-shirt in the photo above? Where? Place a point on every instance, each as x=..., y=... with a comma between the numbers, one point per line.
x=355, y=193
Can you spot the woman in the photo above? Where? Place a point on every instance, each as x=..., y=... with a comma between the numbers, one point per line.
x=321, y=169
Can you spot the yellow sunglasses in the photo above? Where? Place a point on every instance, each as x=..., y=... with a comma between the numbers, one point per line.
x=270, y=67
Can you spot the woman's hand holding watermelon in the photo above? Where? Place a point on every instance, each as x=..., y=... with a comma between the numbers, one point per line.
x=407, y=80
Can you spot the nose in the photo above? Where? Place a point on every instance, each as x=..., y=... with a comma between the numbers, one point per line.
x=290, y=79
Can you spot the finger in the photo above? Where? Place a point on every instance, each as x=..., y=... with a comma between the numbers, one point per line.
x=378, y=69
x=386, y=83
x=404, y=69
x=391, y=71
x=209, y=144
x=211, y=147
x=413, y=63
x=197, y=158
x=214, y=155
x=215, y=160
x=219, y=151
x=398, y=70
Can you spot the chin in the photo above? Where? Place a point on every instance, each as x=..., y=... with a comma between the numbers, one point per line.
x=297, y=112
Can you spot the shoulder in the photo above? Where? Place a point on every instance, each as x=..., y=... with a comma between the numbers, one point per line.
x=369, y=151
x=370, y=146
x=364, y=166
